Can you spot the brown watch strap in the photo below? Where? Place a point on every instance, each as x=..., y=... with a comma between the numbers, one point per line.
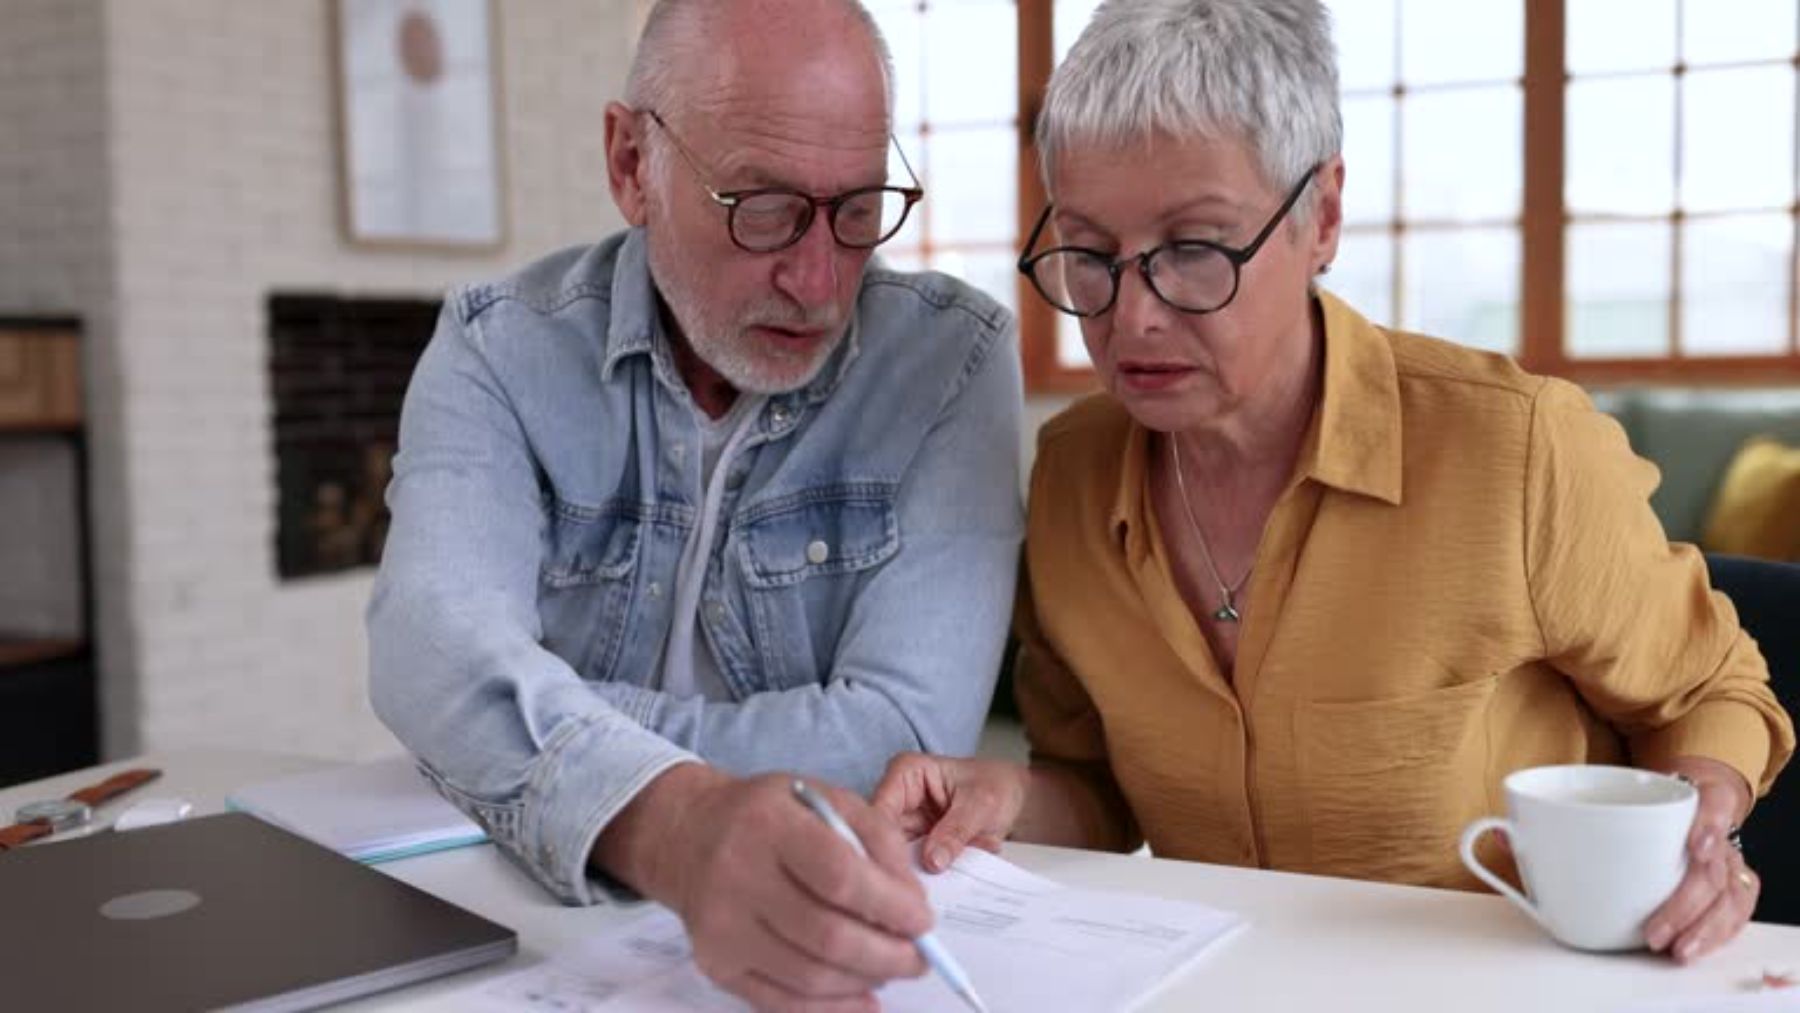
x=116, y=785
x=20, y=834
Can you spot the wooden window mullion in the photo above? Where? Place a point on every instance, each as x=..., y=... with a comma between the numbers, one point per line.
x=1037, y=53
x=1541, y=316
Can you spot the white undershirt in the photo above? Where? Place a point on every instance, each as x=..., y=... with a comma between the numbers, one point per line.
x=687, y=671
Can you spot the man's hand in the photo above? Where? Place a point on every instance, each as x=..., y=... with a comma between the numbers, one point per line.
x=952, y=803
x=1718, y=894
x=781, y=912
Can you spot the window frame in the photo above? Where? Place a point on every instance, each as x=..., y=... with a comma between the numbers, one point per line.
x=1543, y=222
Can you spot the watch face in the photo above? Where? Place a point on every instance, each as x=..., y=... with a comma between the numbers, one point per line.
x=61, y=813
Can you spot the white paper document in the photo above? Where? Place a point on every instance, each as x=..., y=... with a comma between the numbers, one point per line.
x=372, y=812
x=1028, y=944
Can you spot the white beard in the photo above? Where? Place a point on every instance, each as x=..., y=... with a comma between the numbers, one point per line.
x=723, y=344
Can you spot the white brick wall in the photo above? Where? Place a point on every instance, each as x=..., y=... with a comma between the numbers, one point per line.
x=56, y=258
x=220, y=186
x=164, y=165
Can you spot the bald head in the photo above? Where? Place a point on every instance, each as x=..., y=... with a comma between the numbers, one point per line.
x=693, y=48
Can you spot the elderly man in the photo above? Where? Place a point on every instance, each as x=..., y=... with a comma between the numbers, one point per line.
x=711, y=499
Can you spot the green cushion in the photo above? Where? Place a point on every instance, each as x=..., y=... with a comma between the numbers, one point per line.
x=1691, y=436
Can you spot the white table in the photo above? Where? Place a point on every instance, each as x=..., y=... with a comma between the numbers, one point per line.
x=1313, y=944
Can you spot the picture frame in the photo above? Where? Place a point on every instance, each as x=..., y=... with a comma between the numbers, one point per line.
x=418, y=82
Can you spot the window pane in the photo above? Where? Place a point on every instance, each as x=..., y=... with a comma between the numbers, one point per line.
x=1364, y=32
x=1363, y=274
x=1618, y=292
x=1369, y=159
x=972, y=62
x=1734, y=285
x=1738, y=138
x=1716, y=32
x=992, y=271
x=899, y=21
x=1071, y=351
x=900, y=258
x=1611, y=35
x=1463, y=159
x=1463, y=285
x=1469, y=40
x=973, y=186
x=1621, y=145
x=1071, y=17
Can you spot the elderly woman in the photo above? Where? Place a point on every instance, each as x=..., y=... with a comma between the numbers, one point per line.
x=1300, y=590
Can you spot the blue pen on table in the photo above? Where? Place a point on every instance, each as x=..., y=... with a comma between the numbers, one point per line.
x=930, y=947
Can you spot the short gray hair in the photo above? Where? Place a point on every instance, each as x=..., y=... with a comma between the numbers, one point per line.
x=674, y=30
x=1262, y=70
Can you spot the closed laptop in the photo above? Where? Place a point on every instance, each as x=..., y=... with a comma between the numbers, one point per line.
x=219, y=912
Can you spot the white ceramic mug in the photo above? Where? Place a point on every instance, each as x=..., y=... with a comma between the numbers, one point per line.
x=1599, y=849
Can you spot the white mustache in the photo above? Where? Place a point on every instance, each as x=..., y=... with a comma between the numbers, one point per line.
x=788, y=317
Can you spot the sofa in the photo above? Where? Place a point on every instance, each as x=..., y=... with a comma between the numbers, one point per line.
x=1692, y=435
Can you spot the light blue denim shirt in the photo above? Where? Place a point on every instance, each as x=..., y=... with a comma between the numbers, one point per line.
x=857, y=595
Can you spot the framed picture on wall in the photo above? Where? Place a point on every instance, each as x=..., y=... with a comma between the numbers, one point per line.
x=419, y=123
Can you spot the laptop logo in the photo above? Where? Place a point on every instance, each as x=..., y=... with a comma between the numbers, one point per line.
x=139, y=907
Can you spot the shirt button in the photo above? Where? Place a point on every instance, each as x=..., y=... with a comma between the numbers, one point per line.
x=656, y=589
x=779, y=414
x=817, y=552
x=679, y=451
x=715, y=611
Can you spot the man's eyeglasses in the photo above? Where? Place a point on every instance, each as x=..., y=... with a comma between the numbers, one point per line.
x=1192, y=275
x=774, y=218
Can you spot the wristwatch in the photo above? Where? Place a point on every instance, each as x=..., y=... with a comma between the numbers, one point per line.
x=41, y=819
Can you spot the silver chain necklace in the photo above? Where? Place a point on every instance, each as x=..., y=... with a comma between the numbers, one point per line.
x=1227, y=612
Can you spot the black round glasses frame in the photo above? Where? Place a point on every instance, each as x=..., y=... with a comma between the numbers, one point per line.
x=732, y=200
x=1237, y=257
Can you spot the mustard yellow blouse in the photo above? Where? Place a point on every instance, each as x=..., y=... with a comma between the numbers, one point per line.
x=1463, y=578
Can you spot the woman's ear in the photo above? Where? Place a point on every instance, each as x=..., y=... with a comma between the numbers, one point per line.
x=1327, y=221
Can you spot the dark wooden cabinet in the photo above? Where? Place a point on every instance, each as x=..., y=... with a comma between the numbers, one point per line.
x=48, y=713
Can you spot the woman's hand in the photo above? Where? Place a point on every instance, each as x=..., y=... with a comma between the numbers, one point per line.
x=952, y=803
x=1719, y=892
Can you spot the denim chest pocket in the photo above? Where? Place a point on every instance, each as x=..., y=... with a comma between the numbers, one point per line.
x=818, y=533
x=584, y=594
x=590, y=545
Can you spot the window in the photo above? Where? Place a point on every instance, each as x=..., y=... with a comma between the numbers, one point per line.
x=956, y=115
x=1679, y=181
x=1607, y=189
x=1433, y=105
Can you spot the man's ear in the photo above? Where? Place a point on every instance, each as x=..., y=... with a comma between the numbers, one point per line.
x=627, y=161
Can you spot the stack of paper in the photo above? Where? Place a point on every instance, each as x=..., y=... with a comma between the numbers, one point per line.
x=1085, y=950
x=372, y=812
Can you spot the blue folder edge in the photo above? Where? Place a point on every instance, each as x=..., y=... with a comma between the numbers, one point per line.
x=376, y=857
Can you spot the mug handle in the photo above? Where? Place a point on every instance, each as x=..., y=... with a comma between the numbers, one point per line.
x=1472, y=834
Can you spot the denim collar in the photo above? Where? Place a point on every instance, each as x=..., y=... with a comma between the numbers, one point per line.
x=636, y=328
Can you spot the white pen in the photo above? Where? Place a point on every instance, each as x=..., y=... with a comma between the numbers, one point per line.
x=929, y=946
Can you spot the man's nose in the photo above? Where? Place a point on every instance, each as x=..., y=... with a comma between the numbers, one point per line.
x=807, y=272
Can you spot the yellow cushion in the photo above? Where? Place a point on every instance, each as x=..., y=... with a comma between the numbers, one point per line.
x=1757, y=509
